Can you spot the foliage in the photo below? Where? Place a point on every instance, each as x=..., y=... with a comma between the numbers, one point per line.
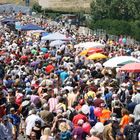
x=37, y=8
x=116, y=16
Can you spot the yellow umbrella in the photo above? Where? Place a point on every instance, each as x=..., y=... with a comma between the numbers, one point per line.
x=97, y=56
x=84, y=52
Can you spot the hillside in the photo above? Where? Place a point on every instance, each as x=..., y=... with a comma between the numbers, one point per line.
x=18, y=2
x=66, y=5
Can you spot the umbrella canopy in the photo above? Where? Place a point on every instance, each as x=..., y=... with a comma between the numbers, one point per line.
x=132, y=67
x=113, y=62
x=56, y=36
x=126, y=62
x=56, y=43
x=97, y=56
x=91, y=51
x=87, y=45
x=30, y=27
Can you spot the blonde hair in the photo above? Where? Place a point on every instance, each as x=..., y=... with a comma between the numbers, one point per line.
x=47, y=131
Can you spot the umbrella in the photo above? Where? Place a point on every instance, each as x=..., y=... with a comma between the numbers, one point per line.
x=126, y=62
x=97, y=56
x=87, y=45
x=56, y=43
x=132, y=67
x=30, y=27
x=94, y=50
x=56, y=36
x=84, y=52
x=91, y=51
x=113, y=62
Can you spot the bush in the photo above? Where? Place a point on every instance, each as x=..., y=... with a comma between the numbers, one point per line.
x=117, y=27
x=37, y=8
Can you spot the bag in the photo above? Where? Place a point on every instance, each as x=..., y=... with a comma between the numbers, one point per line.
x=122, y=96
x=132, y=132
x=65, y=135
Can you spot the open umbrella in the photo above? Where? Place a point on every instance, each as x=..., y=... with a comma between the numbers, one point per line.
x=56, y=36
x=56, y=43
x=124, y=63
x=97, y=56
x=132, y=67
x=91, y=51
x=113, y=62
x=87, y=45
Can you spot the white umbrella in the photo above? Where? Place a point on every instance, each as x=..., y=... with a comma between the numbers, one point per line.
x=87, y=45
x=56, y=43
x=56, y=36
x=113, y=62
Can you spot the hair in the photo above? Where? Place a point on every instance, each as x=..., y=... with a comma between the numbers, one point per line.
x=125, y=111
x=47, y=131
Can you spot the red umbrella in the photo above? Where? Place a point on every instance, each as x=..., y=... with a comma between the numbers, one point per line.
x=131, y=67
x=49, y=68
x=94, y=50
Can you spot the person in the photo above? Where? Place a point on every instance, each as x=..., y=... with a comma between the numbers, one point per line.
x=93, y=134
x=132, y=130
x=37, y=129
x=78, y=133
x=30, y=122
x=7, y=129
x=47, y=134
x=125, y=119
x=110, y=130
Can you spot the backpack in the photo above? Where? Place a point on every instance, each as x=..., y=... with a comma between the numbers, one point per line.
x=132, y=132
x=65, y=135
x=122, y=96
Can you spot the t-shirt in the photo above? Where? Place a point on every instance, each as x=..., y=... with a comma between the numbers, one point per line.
x=124, y=121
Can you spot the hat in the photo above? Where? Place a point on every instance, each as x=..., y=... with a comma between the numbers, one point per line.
x=45, y=94
x=63, y=126
x=4, y=118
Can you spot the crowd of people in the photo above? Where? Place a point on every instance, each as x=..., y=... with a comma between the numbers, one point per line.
x=53, y=93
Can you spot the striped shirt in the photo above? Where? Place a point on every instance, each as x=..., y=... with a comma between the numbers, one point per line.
x=52, y=104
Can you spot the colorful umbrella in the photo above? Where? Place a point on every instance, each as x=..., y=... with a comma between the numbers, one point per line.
x=113, y=62
x=132, y=67
x=97, y=56
x=124, y=63
x=91, y=51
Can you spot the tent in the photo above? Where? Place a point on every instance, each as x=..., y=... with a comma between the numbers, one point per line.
x=30, y=27
x=56, y=36
x=56, y=43
x=6, y=20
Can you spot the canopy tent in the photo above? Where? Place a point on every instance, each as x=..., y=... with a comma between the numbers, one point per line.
x=56, y=43
x=87, y=45
x=132, y=67
x=56, y=36
x=7, y=20
x=113, y=62
x=31, y=27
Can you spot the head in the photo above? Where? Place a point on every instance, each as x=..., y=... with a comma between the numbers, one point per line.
x=38, y=123
x=47, y=131
x=124, y=112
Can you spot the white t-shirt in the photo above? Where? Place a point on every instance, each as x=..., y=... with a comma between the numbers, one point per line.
x=30, y=123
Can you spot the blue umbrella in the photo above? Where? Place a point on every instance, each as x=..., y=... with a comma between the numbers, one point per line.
x=31, y=27
x=44, y=34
